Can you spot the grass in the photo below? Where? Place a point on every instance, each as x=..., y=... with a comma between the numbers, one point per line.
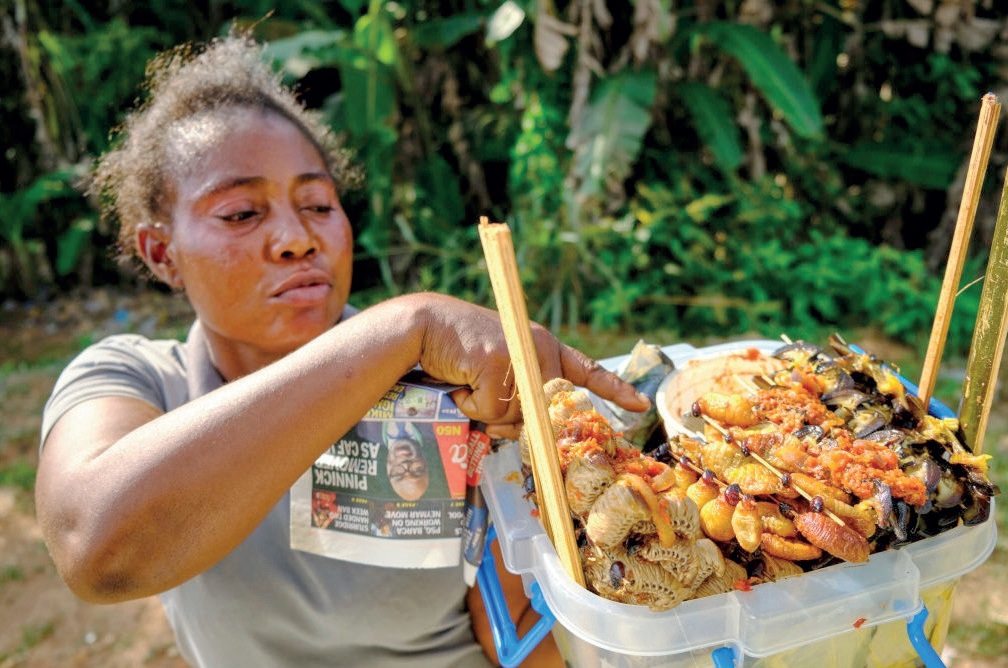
x=20, y=473
x=986, y=639
x=33, y=634
x=12, y=573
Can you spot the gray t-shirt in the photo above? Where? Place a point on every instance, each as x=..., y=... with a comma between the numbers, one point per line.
x=265, y=604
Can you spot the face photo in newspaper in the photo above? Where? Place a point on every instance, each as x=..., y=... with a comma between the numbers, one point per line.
x=405, y=463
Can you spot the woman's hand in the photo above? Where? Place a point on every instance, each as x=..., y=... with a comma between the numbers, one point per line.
x=464, y=344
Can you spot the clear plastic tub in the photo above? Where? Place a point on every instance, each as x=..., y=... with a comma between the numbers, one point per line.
x=841, y=616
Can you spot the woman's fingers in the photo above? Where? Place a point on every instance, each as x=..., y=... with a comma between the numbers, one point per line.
x=465, y=344
x=493, y=397
x=560, y=360
x=586, y=372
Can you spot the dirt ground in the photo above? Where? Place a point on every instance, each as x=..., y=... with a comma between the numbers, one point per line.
x=43, y=625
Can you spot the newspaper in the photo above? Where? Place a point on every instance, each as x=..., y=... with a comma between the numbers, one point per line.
x=391, y=491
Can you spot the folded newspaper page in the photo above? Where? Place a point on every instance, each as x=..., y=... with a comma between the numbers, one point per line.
x=391, y=491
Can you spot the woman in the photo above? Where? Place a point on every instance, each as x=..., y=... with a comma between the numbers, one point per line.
x=165, y=466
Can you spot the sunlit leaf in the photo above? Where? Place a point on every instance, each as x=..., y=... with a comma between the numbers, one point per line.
x=299, y=54
x=504, y=21
x=608, y=139
x=375, y=34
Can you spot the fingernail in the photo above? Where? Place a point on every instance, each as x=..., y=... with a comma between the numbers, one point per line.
x=643, y=397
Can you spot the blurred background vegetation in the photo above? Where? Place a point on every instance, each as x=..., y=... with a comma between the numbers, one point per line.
x=695, y=167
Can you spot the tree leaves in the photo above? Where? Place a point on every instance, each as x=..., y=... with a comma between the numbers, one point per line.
x=771, y=71
x=712, y=116
x=608, y=139
x=932, y=168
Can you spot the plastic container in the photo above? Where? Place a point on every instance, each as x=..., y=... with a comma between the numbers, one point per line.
x=841, y=616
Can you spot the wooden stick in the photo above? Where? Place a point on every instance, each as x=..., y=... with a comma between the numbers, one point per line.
x=553, y=505
x=988, y=343
x=989, y=110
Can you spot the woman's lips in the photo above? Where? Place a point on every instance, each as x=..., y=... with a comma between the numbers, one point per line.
x=306, y=294
x=304, y=288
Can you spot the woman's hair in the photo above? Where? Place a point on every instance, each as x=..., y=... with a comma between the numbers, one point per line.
x=133, y=180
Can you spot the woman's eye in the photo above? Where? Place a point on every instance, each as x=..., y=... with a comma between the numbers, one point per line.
x=238, y=216
x=320, y=208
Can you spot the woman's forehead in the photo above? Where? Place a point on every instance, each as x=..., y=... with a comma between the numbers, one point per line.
x=193, y=137
x=229, y=135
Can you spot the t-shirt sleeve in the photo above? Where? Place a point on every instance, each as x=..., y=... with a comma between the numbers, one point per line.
x=125, y=365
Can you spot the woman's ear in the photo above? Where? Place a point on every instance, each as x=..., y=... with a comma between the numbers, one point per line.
x=154, y=243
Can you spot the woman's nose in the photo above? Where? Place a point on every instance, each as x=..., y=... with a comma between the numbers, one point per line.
x=292, y=237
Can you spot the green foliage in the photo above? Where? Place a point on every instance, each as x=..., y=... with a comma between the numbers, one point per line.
x=683, y=170
x=710, y=113
x=740, y=261
x=927, y=166
x=20, y=474
x=95, y=75
x=770, y=71
x=22, y=225
x=607, y=141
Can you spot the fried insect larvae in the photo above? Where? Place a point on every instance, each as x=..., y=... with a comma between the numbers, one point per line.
x=616, y=511
x=587, y=477
x=573, y=418
x=774, y=520
x=731, y=410
x=718, y=456
x=628, y=579
x=787, y=452
x=842, y=541
x=754, y=478
x=690, y=562
x=724, y=582
x=747, y=524
x=706, y=488
x=778, y=568
x=792, y=549
x=716, y=515
x=684, y=514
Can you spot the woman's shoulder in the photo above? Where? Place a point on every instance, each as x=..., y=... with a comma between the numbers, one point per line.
x=131, y=348
x=129, y=365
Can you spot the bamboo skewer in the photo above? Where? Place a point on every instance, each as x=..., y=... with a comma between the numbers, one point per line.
x=989, y=110
x=553, y=505
x=988, y=343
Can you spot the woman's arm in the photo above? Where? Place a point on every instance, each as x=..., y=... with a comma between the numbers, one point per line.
x=133, y=501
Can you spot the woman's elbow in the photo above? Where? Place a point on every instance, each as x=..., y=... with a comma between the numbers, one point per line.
x=91, y=567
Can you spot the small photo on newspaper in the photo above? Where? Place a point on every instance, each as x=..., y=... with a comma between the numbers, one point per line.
x=391, y=491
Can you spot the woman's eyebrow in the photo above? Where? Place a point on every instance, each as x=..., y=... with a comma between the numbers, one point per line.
x=224, y=185
x=217, y=187
x=310, y=177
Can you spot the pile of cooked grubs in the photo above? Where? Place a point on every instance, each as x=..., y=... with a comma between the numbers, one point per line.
x=823, y=458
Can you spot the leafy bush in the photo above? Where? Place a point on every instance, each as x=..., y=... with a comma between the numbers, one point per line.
x=716, y=167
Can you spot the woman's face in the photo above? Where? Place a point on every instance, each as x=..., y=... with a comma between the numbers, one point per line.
x=258, y=238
